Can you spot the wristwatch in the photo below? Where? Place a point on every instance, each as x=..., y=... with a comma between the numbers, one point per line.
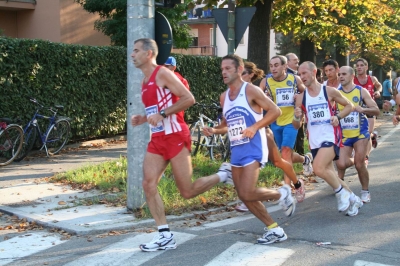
x=162, y=113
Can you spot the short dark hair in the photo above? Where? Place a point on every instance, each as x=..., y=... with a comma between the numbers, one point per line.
x=330, y=62
x=148, y=44
x=281, y=57
x=237, y=60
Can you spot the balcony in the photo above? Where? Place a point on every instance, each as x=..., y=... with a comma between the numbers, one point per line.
x=17, y=4
x=197, y=50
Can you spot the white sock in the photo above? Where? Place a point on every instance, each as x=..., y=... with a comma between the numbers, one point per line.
x=352, y=197
x=338, y=189
x=222, y=176
x=283, y=194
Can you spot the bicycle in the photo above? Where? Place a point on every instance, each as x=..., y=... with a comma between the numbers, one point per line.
x=11, y=139
x=215, y=146
x=55, y=136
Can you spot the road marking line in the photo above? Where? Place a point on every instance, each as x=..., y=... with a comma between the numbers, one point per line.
x=25, y=245
x=126, y=251
x=243, y=253
x=368, y=263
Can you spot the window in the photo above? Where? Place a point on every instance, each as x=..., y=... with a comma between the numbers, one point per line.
x=211, y=37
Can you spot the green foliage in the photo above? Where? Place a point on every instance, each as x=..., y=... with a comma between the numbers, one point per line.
x=90, y=82
x=205, y=80
x=113, y=21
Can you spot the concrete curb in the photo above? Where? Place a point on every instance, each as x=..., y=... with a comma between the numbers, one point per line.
x=128, y=224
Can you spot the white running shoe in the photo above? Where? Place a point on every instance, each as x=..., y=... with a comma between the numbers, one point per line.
x=343, y=199
x=307, y=166
x=288, y=204
x=227, y=168
x=365, y=196
x=159, y=242
x=272, y=236
x=241, y=208
x=354, y=206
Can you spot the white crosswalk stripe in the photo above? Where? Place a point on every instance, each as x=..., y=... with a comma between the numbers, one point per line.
x=368, y=263
x=25, y=245
x=243, y=253
x=121, y=253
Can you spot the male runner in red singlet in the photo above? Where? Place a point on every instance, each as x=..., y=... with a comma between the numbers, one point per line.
x=165, y=98
x=374, y=87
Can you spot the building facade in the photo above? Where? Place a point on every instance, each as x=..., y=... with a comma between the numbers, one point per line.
x=54, y=20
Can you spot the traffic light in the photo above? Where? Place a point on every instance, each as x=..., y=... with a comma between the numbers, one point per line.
x=172, y=3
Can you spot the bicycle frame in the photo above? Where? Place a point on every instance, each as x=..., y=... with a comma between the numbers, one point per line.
x=33, y=122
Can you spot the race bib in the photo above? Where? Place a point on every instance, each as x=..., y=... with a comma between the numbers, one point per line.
x=350, y=121
x=319, y=114
x=236, y=126
x=285, y=97
x=152, y=110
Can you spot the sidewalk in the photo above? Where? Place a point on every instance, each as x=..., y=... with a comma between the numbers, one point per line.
x=25, y=192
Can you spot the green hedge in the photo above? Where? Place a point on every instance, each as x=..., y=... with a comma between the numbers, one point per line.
x=89, y=81
x=205, y=80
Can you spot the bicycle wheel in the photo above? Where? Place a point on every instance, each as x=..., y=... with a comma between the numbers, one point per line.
x=57, y=136
x=29, y=140
x=11, y=140
x=218, y=148
x=195, y=135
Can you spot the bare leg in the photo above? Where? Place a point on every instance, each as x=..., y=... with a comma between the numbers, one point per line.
x=345, y=161
x=323, y=167
x=182, y=170
x=245, y=180
x=275, y=157
x=360, y=149
x=153, y=167
x=371, y=126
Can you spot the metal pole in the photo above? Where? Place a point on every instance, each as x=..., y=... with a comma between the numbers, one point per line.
x=140, y=22
x=231, y=27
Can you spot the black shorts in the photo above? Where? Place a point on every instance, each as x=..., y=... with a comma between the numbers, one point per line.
x=327, y=145
x=387, y=98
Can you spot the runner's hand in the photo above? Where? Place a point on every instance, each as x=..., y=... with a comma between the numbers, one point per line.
x=155, y=119
x=395, y=120
x=249, y=132
x=137, y=120
x=298, y=112
x=334, y=121
x=208, y=131
x=359, y=109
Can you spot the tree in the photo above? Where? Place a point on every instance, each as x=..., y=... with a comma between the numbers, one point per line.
x=358, y=27
x=113, y=22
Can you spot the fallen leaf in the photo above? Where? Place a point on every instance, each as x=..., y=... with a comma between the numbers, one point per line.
x=62, y=203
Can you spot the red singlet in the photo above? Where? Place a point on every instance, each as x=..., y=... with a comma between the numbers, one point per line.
x=156, y=99
x=369, y=85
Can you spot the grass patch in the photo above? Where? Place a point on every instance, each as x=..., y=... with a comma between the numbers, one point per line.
x=111, y=177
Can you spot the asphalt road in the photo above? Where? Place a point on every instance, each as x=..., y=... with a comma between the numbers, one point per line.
x=370, y=238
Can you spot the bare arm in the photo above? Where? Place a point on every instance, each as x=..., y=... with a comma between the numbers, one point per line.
x=336, y=96
x=377, y=84
x=300, y=85
x=372, y=107
x=259, y=101
x=298, y=113
x=167, y=79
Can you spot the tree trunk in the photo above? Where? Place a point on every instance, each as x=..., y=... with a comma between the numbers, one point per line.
x=341, y=59
x=259, y=35
x=307, y=51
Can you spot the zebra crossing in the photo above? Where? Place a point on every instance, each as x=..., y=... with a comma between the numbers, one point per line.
x=127, y=252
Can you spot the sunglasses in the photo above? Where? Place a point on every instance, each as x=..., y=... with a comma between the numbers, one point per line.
x=244, y=73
